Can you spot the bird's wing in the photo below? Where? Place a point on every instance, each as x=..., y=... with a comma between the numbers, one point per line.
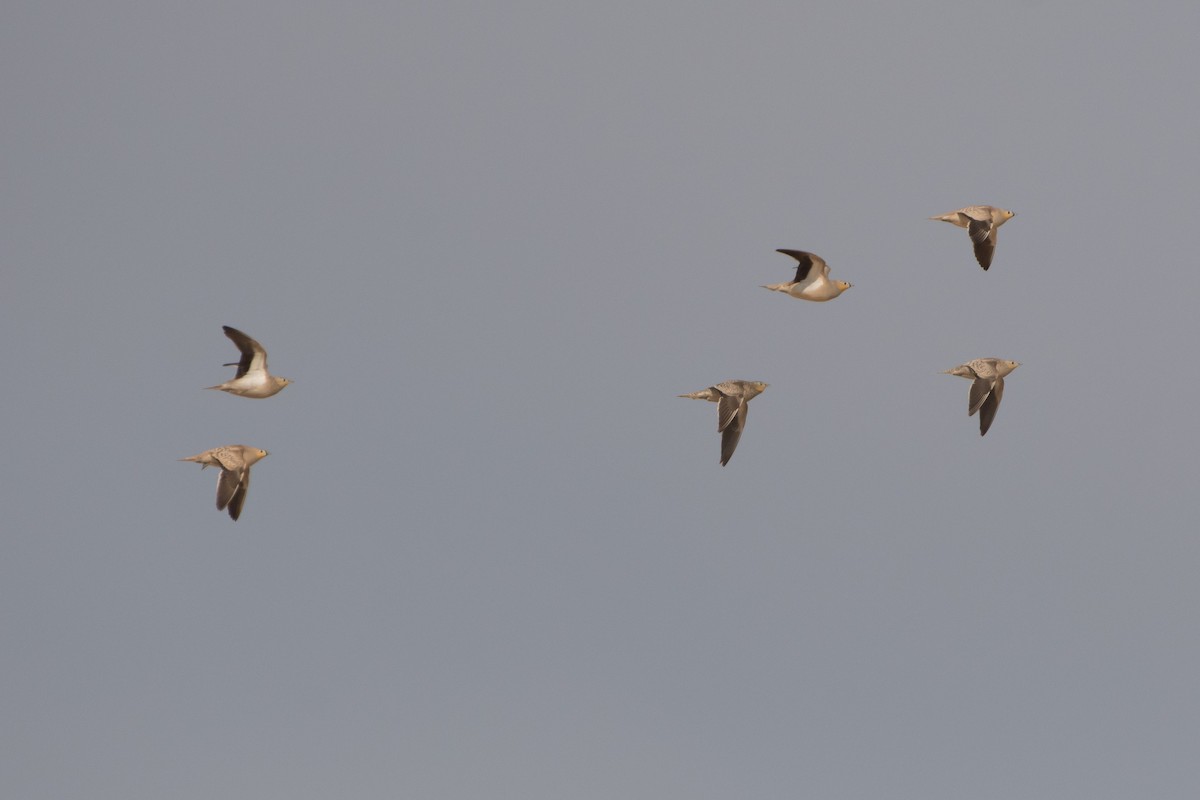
x=226, y=458
x=987, y=412
x=728, y=408
x=806, y=261
x=227, y=487
x=254, y=357
x=983, y=235
x=239, y=496
x=732, y=434
x=979, y=229
x=980, y=389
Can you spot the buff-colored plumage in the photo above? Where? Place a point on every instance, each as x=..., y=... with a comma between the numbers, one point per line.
x=252, y=378
x=733, y=402
x=234, y=461
x=987, y=387
x=981, y=223
x=812, y=279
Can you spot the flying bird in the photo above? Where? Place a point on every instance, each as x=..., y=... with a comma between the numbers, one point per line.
x=733, y=401
x=234, y=461
x=981, y=223
x=252, y=378
x=987, y=387
x=812, y=279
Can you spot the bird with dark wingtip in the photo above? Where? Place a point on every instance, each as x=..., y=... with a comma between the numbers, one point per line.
x=733, y=401
x=252, y=378
x=812, y=279
x=234, y=461
x=987, y=387
x=981, y=223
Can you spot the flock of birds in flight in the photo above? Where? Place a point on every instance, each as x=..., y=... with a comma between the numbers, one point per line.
x=234, y=460
x=813, y=283
x=733, y=398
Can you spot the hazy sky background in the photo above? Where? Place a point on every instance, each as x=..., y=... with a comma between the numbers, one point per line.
x=492, y=554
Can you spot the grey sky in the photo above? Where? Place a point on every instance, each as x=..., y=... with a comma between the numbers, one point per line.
x=492, y=554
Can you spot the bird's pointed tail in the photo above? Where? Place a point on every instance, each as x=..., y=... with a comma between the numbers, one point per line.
x=195, y=459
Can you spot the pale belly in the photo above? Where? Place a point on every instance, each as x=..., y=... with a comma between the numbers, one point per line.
x=818, y=291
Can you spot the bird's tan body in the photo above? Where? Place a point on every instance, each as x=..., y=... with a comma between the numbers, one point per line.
x=252, y=378
x=819, y=291
x=234, y=461
x=981, y=223
x=812, y=280
x=987, y=387
x=733, y=402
